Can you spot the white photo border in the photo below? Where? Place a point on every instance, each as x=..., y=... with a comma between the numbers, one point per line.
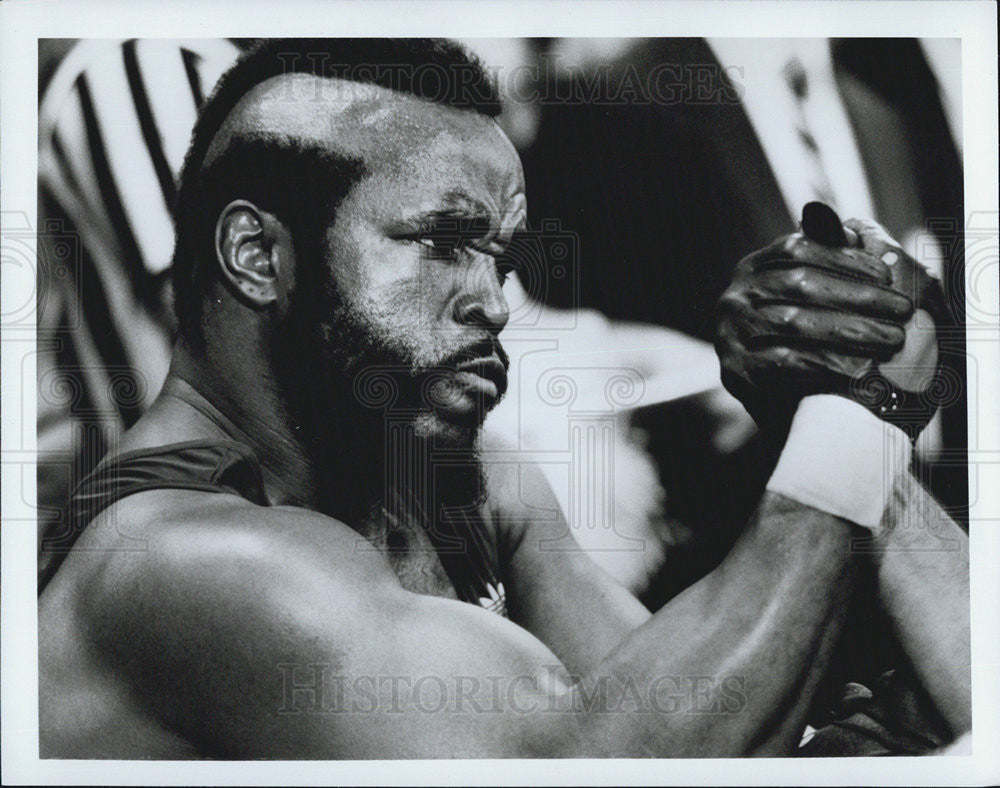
x=22, y=23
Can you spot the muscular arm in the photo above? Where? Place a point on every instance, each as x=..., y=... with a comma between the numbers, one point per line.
x=761, y=624
x=766, y=617
x=272, y=633
x=923, y=575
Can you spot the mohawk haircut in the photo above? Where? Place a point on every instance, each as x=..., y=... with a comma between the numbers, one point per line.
x=300, y=183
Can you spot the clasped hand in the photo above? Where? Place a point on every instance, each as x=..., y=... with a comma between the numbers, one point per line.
x=858, y=320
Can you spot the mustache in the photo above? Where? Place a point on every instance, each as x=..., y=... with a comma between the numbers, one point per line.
x=484, y=348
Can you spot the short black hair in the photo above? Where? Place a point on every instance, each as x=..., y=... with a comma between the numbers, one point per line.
x=297, y=181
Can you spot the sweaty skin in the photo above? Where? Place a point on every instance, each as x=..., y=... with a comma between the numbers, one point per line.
x=187, y=624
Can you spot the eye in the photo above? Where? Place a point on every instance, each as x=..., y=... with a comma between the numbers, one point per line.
x=504, y=267
x=439, y=244
x=509, y=256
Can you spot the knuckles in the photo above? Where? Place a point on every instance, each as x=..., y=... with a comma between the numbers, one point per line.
x=782, y=318
x=803, y=283
x=798, y=314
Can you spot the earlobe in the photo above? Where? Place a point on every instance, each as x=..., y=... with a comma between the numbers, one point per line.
x=244, y=252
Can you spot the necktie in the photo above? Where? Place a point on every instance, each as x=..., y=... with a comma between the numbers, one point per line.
x=798, y=82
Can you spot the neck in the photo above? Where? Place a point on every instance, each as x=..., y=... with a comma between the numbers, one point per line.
x=338, y=467
x=239, y=403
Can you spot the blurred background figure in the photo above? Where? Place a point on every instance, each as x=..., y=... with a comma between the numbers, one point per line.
x=652, y=167
x=114, y=121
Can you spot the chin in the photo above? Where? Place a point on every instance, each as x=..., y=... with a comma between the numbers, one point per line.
x=448, y=432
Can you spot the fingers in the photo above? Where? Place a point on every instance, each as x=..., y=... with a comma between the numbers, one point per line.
x=821, y=223
x=874, y=239
x=807, y=286
x=909, y=276
x=801, y=317
x=797, y=250
x=803, y=366
x=770, y=380
x=821, y=327
x=804, y=327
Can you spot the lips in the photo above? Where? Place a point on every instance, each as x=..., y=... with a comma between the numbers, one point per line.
x=489, y=368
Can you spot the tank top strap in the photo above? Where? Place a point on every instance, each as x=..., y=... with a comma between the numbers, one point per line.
x=218, y=466
x=465, y=547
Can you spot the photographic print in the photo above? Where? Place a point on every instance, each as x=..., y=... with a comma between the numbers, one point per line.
x=390, y=396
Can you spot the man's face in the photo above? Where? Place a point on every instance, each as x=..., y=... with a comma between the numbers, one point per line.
x=414, y=260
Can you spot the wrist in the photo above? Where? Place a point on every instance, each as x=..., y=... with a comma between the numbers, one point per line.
x=918, y=536
x=908, y=410
x=841, y=459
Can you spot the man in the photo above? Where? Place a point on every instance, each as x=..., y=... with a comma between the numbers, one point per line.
x=290, y=554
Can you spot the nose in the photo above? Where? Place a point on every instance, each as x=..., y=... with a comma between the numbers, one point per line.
x=481, y=301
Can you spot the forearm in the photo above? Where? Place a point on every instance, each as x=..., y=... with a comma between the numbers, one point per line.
x=923, y=573
x=757, y=632
x=773, y=609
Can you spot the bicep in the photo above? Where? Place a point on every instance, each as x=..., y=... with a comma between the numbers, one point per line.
x=411, y=677
x=554, y=589
x=286, y=659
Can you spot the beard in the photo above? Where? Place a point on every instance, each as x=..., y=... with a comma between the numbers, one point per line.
x=363, y=409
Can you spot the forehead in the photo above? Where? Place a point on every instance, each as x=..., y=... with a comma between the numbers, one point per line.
x=414, y=144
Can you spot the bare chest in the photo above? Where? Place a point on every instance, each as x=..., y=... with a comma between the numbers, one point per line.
x=415, y=561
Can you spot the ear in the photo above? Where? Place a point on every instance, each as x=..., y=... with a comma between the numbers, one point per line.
x=248, y=254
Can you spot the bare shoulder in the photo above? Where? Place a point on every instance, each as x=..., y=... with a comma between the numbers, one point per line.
x=178, y=582
x=210, y=550
x=211, y=630
x=182, y=612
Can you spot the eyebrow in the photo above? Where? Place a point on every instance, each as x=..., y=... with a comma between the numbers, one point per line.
x=464, y=200
x=458, y=207
x=455, y=204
